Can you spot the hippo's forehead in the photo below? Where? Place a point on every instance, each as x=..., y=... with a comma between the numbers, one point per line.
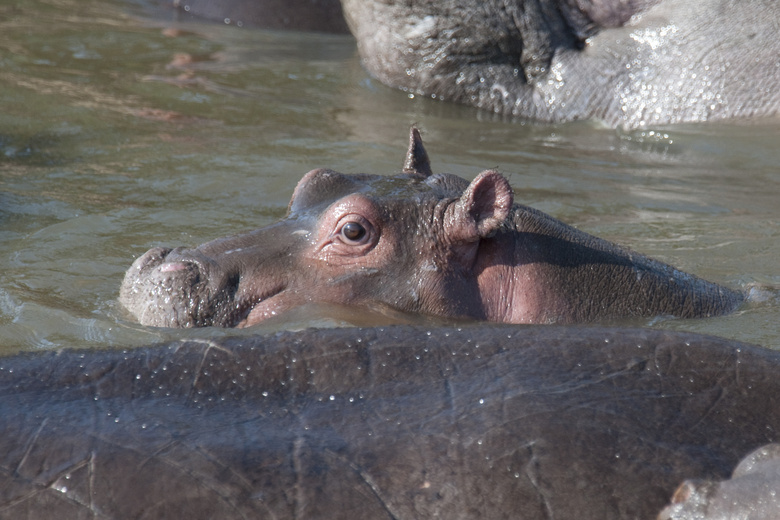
x=320, y=188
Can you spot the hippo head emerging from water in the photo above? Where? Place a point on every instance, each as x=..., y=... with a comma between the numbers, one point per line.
x=416, y=242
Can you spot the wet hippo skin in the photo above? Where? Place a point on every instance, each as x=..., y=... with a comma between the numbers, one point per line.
x=401, y=422
x=418, y=243
x=628, y=63
x=752, y=493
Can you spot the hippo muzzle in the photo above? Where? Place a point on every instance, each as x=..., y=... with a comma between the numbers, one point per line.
x=216, y=284
x=168, y=288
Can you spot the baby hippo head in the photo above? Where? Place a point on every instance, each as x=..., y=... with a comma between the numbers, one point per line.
x=405, y=241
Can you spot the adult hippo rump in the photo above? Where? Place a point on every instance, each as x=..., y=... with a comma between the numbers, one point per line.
x=486, y=422
x=624, y=62
x=419, y=243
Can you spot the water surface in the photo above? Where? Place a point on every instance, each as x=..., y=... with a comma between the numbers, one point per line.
x=120, y=132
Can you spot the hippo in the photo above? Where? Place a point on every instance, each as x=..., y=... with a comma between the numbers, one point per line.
x=753, y=493
x=625, y=63
x=416, y=242
x=481, y=421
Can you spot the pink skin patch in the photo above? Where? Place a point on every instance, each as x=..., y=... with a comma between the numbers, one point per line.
x=172, y=266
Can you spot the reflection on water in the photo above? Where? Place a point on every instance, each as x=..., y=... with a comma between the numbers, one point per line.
x=119, y=133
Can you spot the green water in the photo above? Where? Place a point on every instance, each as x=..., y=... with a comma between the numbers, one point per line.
x=112, y=142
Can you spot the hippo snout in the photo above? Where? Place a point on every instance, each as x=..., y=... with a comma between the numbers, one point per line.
x=170, y=288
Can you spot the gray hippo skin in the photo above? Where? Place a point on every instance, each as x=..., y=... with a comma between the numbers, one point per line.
x=532, y=422
x=753, y=493
x=625, y=62
x=418, y=243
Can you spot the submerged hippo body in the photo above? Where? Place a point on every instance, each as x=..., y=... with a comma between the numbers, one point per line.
x=401, y=422
x=629, y=63
x=624, y=62
x=419, y=243
x=752, y=493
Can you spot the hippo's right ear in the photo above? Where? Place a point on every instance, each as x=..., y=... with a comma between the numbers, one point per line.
x=482, y=209
x=319, y=186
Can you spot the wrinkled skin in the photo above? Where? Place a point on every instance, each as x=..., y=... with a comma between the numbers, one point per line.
x=418, y=243
x=626, y=63
x=401, y=422
x=753, y=493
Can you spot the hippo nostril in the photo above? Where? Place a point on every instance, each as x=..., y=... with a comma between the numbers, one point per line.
x=172, y=266
x=181, y=259
x=153, y=256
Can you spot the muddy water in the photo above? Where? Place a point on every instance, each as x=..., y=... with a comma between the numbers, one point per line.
x=118, y=134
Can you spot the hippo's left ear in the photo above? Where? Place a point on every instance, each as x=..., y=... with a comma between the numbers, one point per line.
x=482, y=208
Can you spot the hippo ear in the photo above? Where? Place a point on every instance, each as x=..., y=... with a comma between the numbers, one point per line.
x=317, y=187
x=417, y=162
x=482, y=209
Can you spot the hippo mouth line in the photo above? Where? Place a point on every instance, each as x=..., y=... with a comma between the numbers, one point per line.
x=239, y=317
x=225, y=306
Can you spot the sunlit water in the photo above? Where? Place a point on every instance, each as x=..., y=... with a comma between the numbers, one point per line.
x=118, y=134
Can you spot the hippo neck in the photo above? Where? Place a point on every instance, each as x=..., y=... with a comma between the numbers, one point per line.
x=540, y=270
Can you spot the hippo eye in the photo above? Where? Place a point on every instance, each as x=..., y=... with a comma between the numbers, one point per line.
x=352, y=236
x=353, y=231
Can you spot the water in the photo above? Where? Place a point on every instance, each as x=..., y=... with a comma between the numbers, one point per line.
x=118, y=134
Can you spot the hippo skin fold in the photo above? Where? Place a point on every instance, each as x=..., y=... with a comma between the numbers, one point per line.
x=486, y=421
x=417, y=243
